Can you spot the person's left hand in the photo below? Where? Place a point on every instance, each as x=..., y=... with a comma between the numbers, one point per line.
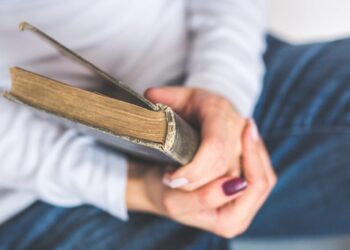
x=221, y=128
x=225, y=206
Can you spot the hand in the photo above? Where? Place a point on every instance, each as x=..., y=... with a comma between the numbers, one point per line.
x=221, y=129
x=225, y=206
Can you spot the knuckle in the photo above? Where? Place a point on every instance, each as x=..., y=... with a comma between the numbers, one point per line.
x=214, y=103
x=222, y=103
x=273, y=180
x=207, y=106
x=226, y=229
x=261, y=186
x=244, y=227
x=231, y=230
x=226, y=233
x=216, y=144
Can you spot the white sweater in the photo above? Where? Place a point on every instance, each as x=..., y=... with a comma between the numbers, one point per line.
x=217, y=43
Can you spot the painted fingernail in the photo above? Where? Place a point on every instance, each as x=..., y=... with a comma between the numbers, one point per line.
x=179, y=182
x=234, y=186
x=254, y=130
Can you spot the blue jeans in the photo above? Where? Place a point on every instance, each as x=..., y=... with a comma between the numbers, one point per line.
x=304, y=117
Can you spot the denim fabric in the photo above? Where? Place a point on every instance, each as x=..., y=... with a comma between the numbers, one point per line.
x=44, y=227
x=304, y=117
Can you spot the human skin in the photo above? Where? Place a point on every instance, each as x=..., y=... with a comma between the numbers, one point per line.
x=221, y=129
x=209, y=207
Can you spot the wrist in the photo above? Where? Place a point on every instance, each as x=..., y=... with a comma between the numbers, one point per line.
x=136, y=189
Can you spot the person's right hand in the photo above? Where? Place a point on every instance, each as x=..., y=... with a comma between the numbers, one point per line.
x=226, y=206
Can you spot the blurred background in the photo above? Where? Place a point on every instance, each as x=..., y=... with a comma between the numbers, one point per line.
x=304, y=21
x=309, y=20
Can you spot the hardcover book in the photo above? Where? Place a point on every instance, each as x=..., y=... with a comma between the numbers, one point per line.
x=131, y=123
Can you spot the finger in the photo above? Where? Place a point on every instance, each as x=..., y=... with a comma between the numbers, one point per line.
x=220, y=142
x=267, y=162
x=263, y=154
x=236, y=216
x=256, y=158
x=252, y=162
x=178, y=98
x=217, y=154
x=213, y=195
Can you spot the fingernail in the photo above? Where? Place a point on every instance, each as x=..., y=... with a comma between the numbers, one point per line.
x=254, y=130
x=234, y=186
x=179, y=182
x=166, y=181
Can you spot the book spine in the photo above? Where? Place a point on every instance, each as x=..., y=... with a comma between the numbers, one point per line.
x=182, y=141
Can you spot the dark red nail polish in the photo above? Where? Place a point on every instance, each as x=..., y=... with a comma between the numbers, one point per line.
x=233, y=186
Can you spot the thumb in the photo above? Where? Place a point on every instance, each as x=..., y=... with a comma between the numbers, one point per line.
x=175, y=97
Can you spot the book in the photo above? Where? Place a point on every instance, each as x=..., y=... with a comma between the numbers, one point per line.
x=130, y=122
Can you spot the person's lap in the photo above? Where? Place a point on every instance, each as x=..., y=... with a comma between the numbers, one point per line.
x=43, y=226
x=304, y=117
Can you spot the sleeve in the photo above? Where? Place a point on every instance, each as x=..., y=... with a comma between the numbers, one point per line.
x=57, y=164
x=226, y=46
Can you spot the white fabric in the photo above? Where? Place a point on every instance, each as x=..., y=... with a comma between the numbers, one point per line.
x=144, y=43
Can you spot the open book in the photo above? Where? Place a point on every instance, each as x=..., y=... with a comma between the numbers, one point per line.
x=131, y=123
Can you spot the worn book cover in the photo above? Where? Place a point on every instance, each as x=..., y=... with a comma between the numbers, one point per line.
x=130, y=123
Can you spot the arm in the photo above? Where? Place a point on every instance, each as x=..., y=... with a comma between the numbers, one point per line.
x=57, y=164
x=224, y=80
x=227, y=42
